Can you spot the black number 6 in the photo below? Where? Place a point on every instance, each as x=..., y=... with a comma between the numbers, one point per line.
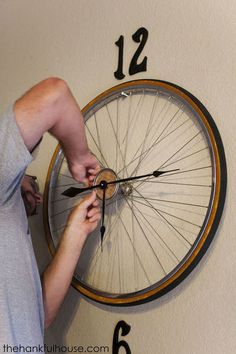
x=117, y=344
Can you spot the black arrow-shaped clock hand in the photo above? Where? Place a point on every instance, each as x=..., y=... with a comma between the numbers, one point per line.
x=103, y=227
x=73, y=191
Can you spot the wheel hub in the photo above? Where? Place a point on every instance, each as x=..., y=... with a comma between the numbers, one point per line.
x=104, y=176
x=126, y=188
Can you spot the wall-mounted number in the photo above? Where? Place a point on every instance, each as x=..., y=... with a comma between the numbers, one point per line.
x=118, y=344
x=140, y=36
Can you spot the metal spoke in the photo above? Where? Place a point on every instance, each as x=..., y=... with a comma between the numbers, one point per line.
x=158, y=140
x=97, y=146
x=136, y=253
x=61, y=212
x=64, y=185
x=164, y=218
x=166, y=105
x=136, y=281
x=181, y=184
x=172, y=215
x=117, y=133
x=161, y=240
x=171, y=201
x=98, y=136
x=175, y=207
x=106, y=237
x=146, y=152
x=186, y=171
x=126, y=138
x=185, y=157
x=140, y=102
x=59, y=200
x=142, y=146
x=182, y=147
x=175, y=153
x=146, y=237
x=114, y=132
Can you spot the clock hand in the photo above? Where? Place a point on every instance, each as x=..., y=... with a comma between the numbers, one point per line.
x=73, y=191
x=154, y=174
x=102, y=227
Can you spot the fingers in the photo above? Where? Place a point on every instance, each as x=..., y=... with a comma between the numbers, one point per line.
x=91, y=178
x=26, y=185
x=95, y=218
x=93, y=211
x=39, y=198
x=91, y=204
x=84, y=180
x=96, y=203
x=93, y=172
x=95, y=168
x=89, y=200
x=94, y=215
x=84, y=172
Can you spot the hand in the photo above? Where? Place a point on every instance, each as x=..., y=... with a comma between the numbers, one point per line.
x=83, y=219
x=85, y=168
x=30, y=194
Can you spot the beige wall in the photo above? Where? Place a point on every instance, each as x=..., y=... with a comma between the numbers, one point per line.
x=191, y=43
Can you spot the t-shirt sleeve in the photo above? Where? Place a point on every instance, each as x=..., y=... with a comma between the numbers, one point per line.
x=14, y=156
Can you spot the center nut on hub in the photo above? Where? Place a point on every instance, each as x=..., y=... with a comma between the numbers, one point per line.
x=106, y=175
x=126, y=188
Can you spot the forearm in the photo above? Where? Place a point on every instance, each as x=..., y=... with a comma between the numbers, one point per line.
x=69, y=127
x=58, y=275
x=57, y=278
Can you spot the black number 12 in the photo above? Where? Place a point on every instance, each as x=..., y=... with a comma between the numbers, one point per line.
x=140, y=36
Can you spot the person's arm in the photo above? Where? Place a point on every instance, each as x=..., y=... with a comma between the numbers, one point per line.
x=57, y=277
x=50, y=106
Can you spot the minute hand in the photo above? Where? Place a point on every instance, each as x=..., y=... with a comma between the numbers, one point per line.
x=154, y=174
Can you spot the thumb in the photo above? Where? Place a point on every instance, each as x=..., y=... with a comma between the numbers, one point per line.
x=88, y=201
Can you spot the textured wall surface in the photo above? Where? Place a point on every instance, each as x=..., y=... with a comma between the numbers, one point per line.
x=191, y=43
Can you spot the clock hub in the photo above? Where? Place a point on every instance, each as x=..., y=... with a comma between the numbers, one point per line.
x=104, y=176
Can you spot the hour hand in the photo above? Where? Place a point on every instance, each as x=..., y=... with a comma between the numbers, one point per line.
x=73, y=191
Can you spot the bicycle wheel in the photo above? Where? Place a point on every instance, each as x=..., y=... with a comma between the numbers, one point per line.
x=157, y=228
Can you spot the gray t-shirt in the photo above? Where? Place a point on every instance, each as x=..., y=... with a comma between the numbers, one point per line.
x=21, y=305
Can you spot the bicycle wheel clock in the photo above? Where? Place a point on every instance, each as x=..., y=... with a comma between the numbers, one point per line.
x=162, y=186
